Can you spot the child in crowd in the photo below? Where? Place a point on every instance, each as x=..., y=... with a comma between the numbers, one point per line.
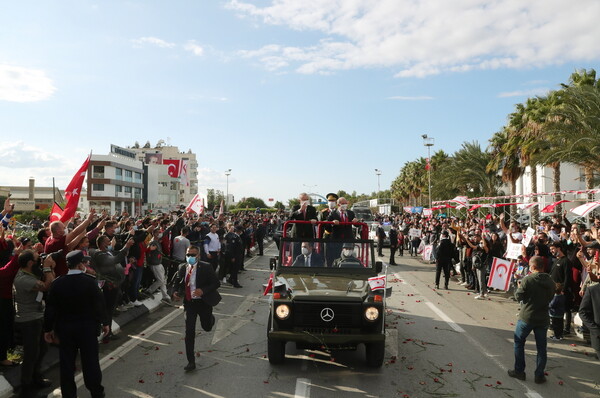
x=556, y=308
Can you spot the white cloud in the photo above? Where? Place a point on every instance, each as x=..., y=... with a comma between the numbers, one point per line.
x=525, y=93
x=416, y=98
x=427, y=37
x=20, y=161
x=194, y=48
x=18, y=84
x=154, y=41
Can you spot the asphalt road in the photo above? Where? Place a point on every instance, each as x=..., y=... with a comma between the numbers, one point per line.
x=439, y=344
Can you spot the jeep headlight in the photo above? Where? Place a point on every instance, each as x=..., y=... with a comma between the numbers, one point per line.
x=282, y=311
x=371, y=314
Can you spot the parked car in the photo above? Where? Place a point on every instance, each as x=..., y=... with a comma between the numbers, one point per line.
x=373, y=234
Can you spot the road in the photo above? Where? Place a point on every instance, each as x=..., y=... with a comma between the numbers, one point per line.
x=439, y=344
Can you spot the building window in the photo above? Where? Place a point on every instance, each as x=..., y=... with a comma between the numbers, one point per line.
x=138, y=177
x=119, y=173
x=128, y=175
x=138, y=193
x=98, y=172
x=97, y=187
x=127, y=189
x=118, y=188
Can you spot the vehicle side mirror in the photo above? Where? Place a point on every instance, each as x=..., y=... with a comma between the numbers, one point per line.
x=378, y=266
x=273, y=263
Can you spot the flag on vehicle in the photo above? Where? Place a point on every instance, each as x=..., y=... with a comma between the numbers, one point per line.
x=269, y=286
x=377, y=282
x=501, y=274
x=73, y=191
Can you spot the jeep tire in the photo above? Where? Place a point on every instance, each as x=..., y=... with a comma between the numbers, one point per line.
x=375, y=354
x=276, y=351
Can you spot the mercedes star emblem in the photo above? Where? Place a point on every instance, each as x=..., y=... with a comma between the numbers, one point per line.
x=327, y=314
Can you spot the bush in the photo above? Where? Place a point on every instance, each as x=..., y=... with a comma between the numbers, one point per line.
x=247, y=209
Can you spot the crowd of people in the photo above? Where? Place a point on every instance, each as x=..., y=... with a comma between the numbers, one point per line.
x=129, y=258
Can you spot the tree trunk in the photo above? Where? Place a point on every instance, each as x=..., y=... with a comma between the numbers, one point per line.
x=535, y=212
x=513, y=209
x=589, y=184
x=556, y=182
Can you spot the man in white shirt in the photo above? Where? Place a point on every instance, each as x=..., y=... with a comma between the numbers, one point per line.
x=212, y=246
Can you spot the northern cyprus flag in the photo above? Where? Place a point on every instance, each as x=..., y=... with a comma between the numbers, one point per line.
x=377, y=282
x=501, y=274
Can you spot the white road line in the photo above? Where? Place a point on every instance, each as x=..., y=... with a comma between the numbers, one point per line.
x=111, y=358
x=445, y=317
x=530, y=393
x=302, y=388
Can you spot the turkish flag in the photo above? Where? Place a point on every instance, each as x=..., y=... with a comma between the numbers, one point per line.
x=73, y=192
x=174, y=167
x=501, y=274
x=56, y=212
x=269, y=286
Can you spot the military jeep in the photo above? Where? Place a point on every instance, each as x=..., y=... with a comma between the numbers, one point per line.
x=321, y=297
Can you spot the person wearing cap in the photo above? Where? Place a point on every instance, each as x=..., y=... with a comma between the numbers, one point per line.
x=331, y=205
x=348, y=258
x=74, y=308
x=29, y=318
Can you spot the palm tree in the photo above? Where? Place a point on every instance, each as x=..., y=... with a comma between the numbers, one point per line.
x=505, y=160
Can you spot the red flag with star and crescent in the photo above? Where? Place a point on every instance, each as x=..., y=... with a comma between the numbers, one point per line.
x=73, y=192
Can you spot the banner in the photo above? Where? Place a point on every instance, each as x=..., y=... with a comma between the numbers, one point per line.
x=513, y=250
x=174, y=167
x=184, y=174
x=501, y=274
x=550, y=208
x=583, y=210
x=427, y=250
x=527, y=236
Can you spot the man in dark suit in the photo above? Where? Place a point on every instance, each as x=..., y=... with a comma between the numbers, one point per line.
x=342, y=215
x=589, y=312
x=308, y=258
x=331, y=206
x=74, y=310
x=197, y=282
x=444, y=259
x=380, y=239
x=303, y=212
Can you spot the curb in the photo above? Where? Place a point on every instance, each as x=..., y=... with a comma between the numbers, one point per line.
x=10, y=379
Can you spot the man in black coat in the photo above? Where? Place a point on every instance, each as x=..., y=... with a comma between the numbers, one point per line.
x=308, y=258
x=444, y=257
x=74, y=309
x=589, y=312
x=393, y=234
x=339, y=232
x=380, y=239
x=197, y=283
x=303, y=212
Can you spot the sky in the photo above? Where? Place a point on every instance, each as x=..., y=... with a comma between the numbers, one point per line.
x=291, y=95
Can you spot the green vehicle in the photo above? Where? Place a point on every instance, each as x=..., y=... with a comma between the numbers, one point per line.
x=327, y=295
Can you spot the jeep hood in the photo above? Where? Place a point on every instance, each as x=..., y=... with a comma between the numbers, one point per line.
x=311, y=287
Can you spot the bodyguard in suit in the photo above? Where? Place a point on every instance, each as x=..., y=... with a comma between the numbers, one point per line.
x=589, y=312
x=308, y=258
x=393, y=234
x=74, y=311
x=197, y=283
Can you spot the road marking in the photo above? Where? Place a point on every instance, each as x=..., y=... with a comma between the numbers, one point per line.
x=208, y=394
x=302, y=388
x=109, y=359
x=529, y=392
x=445, y=317
x=225, y=327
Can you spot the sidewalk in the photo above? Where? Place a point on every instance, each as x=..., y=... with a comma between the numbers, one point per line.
x=10, y=378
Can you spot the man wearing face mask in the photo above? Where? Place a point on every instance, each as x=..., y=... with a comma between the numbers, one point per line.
x=308, y=258
x=303, y=212
x=331, y=205
x=348, y=258
x=342, y=215
x=197, y=283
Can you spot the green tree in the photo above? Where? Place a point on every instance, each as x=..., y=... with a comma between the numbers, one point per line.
x=279, y=205
x=252, y=203
x=505, y=160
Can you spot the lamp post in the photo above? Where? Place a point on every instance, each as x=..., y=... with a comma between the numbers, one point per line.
x=378, y=172
x=227, y=173
x=428, y=142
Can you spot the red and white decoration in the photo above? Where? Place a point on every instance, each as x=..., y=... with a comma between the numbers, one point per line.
x=196, y=205
x=377, y=282
x=501, y=274
x=72, y=194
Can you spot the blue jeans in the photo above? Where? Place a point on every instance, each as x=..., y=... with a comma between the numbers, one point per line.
x=522, y=330
x=135, y=283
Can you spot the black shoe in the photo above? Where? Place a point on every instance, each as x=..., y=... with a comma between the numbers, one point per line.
x=113, y=336
x=446, y=286
x=189, y=367
x=540, y=379
x=42, y=383
x=566, y=332
x=437, y=286
x=237, y=285
x=393, y=264
x=516, y=375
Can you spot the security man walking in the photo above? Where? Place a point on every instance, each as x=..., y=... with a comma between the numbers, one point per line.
x=74, y=310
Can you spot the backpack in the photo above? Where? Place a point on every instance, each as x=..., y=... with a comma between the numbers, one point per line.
x=477, y=260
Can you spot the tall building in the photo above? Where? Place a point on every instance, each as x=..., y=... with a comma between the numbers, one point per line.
x=115, y=182
x=161, y=153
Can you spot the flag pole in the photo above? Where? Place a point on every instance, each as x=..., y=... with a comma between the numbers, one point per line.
x=53, y=191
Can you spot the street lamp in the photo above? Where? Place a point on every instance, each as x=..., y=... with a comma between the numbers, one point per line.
x=378, y=172
x=227, y=173
x=428, y=142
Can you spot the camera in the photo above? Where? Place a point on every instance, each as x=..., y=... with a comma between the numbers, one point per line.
x=54, y=255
